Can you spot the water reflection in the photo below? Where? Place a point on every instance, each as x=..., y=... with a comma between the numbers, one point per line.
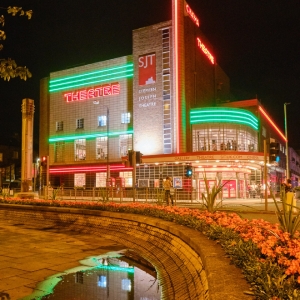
x=114, y=276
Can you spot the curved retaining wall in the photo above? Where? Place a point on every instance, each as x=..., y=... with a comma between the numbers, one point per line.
x=189, y=266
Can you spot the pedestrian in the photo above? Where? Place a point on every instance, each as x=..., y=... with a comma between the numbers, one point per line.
x=167, y=187
x=288, y=186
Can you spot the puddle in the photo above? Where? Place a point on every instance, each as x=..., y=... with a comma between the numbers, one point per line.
x=121, y=275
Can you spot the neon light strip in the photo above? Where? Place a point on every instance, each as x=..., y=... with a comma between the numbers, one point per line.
x=177, y=75
x=84, y=80
x=88, y=169
x=87, y=83
x=272, y=123
x=88, y=136
x=71, y=78
x=224, y=112
x=238, y=116
x=90, y=78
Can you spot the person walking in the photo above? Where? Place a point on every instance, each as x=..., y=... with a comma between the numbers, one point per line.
x=167, y=184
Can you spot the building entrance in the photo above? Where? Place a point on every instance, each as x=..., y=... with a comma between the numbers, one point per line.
x=229, y=189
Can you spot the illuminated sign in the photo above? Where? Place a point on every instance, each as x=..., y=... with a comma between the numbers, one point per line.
x=147, y=69
x=91, y=93
x=191, y=14
x=205, y=51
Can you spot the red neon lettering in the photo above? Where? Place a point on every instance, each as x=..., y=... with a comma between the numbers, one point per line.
x=99, y=91
x=106, y=90
x=82, y=95
x=192, y=15
x=205, y=51
x=90, y=93
x=115, y=88
x=75, y=96
x=68, y=97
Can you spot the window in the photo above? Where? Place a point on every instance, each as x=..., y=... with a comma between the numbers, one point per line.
x=125, y=118
x=101, y=179
x=101, y=147
x=126, y=284
x=79, y=123
x=221, y=137
x=101, y=121
x=59, y=151
x=59, y=126
x=79, y=180
x=80, y=149
x=102, y=282
x=125, y=144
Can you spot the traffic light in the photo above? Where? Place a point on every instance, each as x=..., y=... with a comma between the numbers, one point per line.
x=138, y=157
x=273, y=153
x=130, y=157
x=188, y=171
x=44, y=161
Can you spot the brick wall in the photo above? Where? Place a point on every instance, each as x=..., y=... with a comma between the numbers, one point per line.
x=188, y=265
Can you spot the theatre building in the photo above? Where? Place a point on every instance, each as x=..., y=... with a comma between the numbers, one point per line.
x=170, y=101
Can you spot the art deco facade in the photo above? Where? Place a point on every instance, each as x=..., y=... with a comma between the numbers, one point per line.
x=170, y=100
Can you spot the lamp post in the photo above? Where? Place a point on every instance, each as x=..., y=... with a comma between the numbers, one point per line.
x=107, y=143
x=286, y=143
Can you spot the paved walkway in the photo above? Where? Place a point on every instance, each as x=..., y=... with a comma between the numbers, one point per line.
x=28, y=255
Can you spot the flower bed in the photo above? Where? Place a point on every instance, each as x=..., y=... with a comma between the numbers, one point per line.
x=269, y=257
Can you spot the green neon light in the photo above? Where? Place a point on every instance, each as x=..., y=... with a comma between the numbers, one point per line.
x=91, y=82
x=90, y=73
x=221, y=115
x=115, y=268
x=88, y=136
x=84, y=80
x=90, y=78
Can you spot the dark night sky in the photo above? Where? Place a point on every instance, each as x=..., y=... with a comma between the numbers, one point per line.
x=257, y=43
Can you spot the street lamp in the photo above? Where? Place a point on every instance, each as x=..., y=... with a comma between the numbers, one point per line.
x=107, y=145
x=286, y=143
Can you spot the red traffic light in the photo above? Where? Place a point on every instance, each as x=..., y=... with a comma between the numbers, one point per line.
x=44, y=161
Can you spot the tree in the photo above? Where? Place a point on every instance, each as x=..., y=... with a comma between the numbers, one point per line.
x=8, y=67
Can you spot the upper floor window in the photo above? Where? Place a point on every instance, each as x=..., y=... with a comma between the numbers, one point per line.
x=79, y=123
x=125, y=144
x=59, y=151
x=101, y=121
x=59, y=126
x=125, y=118
x=101, y=147
x=80, y=149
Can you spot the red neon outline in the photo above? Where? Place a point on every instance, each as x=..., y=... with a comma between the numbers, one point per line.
x=272, y=123
x=177, y=76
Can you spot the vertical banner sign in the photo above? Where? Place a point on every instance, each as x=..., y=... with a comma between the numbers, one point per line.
x=147, y=69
